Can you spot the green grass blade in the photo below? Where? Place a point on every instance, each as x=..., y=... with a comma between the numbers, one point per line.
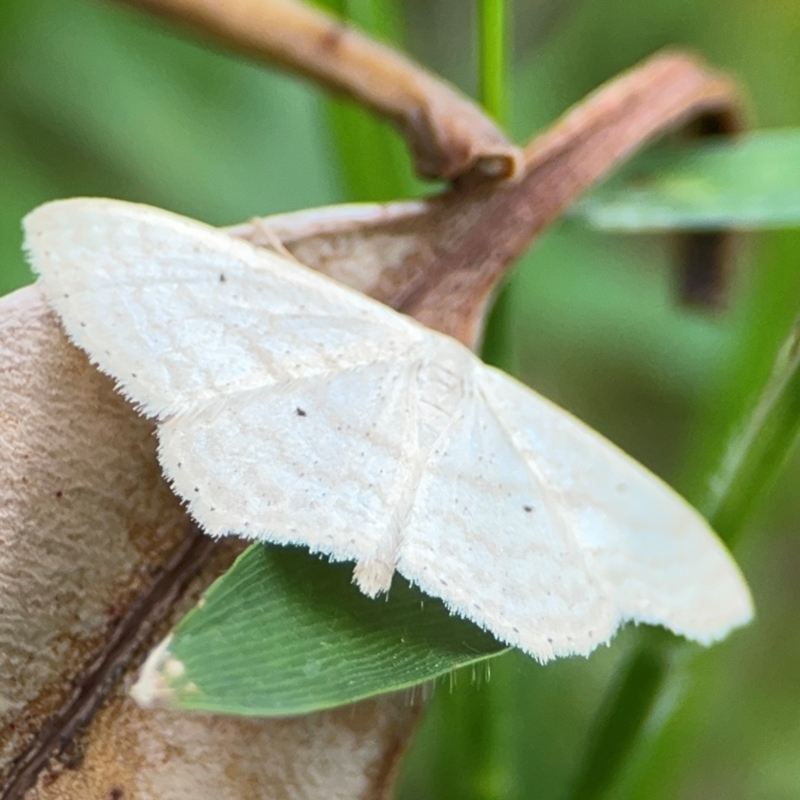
x=759, y=448
x=498, y=341
x=747, y=363
x=493, y=65
x=632, y=697
x=284, y=632
x=373, y=159
x=747, y=464
x=749, y=182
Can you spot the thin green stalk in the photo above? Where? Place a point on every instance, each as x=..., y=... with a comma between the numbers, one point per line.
x=374, y=162
x=631, y=697
x=483, y=763
x=759, y=449
x=764, y=320
x=497, y=348
x=748, y=464
x=493, y=66
x=498, y=340
x=476, y=758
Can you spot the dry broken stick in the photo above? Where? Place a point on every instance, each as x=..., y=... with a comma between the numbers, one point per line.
x=493, y=228
x=447, y=133
x=441, y=260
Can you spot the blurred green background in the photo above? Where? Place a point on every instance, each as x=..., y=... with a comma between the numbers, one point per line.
x=99, y=100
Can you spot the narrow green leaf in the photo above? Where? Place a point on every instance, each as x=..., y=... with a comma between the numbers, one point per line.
x=493, y=66
x=638, y=685
x=747, y=465
x=498, y=341
x=373, y=158
x=284, y=632
x=749, y=182
x=757, y=449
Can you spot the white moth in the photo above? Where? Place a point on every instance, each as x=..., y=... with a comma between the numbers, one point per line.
x=292, y=409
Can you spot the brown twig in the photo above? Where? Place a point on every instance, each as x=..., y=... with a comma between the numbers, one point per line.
x=482, y=230
x=440, y=260
x=448, y=134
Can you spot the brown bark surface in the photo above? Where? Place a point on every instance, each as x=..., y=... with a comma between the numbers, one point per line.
x=97, y=559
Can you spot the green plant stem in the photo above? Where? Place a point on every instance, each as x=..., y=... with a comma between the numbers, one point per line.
x=747, y=465
x=631, y=698
x=476, y=759
x=484, y=761
x=757, y=451
x=493, y=67
x=373, y=160
x=497, y=348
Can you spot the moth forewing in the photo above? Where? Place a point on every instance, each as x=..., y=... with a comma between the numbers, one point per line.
x=295, y=410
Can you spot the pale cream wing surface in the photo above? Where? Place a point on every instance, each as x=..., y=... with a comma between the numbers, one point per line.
x=490, y=534
x=286, y=400
x=180, y=313
x=323, y=461
x=660, y=560
x=295, y=410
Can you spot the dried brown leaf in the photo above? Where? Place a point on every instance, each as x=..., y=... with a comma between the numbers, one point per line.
x=96, y=559
x=441, y=260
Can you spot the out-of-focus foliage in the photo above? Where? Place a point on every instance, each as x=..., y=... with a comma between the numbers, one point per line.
x=96, y=99
x=100, y=100
x=750, y=183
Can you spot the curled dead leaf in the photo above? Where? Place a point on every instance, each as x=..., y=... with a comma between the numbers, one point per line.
x=441, y=260
x=97, y=559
